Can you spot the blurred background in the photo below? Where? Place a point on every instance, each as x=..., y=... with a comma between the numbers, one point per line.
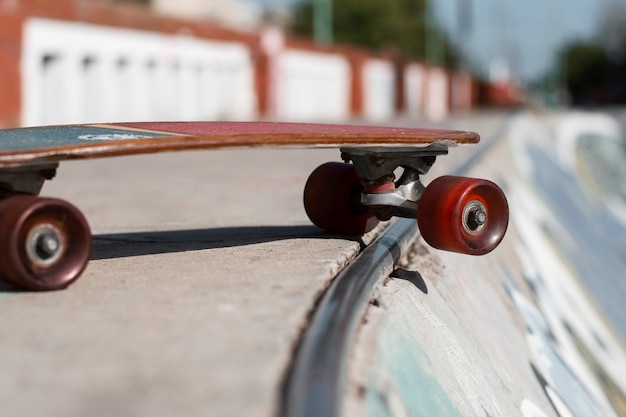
x=73, y=61
x=413, y=62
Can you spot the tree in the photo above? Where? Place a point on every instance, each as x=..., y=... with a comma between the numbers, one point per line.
x=612, y=33
x=397, y=25
x=595, y=72
x=585, y=67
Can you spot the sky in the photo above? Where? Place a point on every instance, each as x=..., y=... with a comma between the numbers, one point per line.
x=519, y=37
x=525, y=34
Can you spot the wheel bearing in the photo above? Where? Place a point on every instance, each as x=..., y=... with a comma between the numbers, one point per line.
x=45, y=245
x=474, y=216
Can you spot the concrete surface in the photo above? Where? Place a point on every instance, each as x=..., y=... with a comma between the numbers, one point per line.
x=441, y=337
x=204, y=269
x=517, y=332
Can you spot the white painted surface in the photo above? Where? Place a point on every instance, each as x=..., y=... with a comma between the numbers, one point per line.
x=80, y=73
x=312, y=86
x=438, y=94
x=414, y=81
x=575, y=280
x=379, y=87
x=527, y=330
x=236, y=13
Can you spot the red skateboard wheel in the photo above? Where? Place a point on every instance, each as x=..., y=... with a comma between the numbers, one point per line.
x=332, y=200
x=464, y=215
x=45, y=243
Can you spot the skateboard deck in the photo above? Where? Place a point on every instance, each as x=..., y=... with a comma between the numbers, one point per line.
x=45, y=243
x=57, y=143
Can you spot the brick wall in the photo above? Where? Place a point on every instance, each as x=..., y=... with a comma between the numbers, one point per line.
x=10, y=92
x=13, y=14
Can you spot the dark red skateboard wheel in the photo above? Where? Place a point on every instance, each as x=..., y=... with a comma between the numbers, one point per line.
x=332, y=200
x=45, y=243
x=464, y=215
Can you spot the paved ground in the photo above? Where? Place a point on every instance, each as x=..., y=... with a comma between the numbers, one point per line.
x=442, y=337
x=204, y=270
x=520, y=331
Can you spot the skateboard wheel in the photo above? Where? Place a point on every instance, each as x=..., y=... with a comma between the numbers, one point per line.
x=332, y=200
x=464, y=215
x=45, y=243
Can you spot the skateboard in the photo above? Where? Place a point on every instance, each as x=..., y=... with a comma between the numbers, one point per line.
x=45, y=243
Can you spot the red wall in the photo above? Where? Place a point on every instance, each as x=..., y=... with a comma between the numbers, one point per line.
x=14, y=12
x=10, y=45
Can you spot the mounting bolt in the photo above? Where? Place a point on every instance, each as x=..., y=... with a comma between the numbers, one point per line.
x=47, y=245
x=49, y=173
x=44, y=245
x=474, y=216
x=377, y=161
x=476, y=219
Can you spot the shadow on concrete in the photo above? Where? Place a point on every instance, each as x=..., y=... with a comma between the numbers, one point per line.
x=7, y=288
x=413, y=277
x=122, y=245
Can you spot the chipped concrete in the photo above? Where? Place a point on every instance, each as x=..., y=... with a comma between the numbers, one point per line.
x=512, y=333
x=203, y=273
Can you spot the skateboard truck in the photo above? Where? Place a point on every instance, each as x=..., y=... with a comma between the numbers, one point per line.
x=26, y=179
x=458, y=214
x=384, y=196
x=45, y=243
x=387, y=198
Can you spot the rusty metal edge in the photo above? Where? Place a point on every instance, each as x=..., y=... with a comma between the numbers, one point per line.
x=316, y=383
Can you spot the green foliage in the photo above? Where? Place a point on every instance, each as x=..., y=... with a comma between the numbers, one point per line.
x=585, y=65
x=381, y=25
x=595, y=72
x=591, y=75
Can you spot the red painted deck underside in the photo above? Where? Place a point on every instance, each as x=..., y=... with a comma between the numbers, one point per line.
x=261, y=128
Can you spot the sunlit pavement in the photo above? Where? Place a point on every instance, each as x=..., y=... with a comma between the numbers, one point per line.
x=531, y=329
x=204, y=270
